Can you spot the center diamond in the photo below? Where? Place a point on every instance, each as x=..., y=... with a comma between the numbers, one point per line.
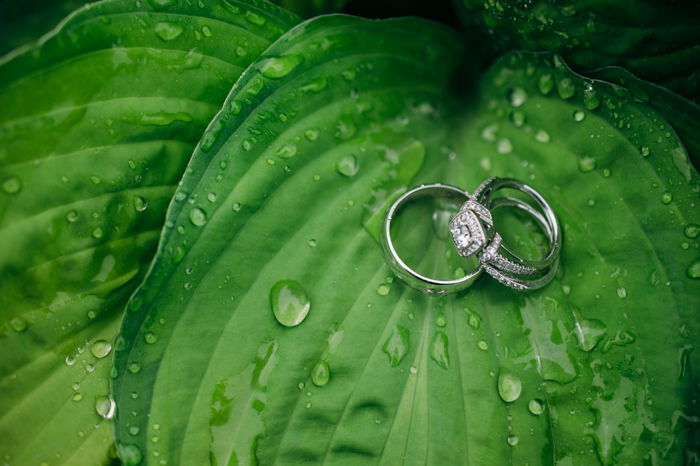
x=467, y=228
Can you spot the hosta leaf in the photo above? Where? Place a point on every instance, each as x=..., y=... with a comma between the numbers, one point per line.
x=657, y=41
x=310, y=8
x=682, y=114
x=96, y=125
x=270, y=331
x=22, y=22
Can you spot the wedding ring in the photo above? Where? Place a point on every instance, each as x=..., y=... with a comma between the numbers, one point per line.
x=474, y=235
x=400, y=268
x=476, y=239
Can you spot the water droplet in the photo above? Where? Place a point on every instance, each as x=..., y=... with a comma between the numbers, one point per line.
x=509, y=386
x=440, y=320
x=542, y=136
x=517, y=118
x=105, y=407
x=396, y=346
x=622, y=293
x=321, y=373
x=586, y=164
x=211, y=197
x=691, y=230
x=129, y=454
x=134, y=430
x=97, y=233
x=644, y=150
x=345, y=129
x=100, y=348
x=18, y=324
x=198, y=217
x=383, y=289
x=254, y=18
x=566, y=88
x=311, y=134
x=206, y=31
x=290, y=303
x=12, y=185
x=413, y=370
x=693, y=270
x=482, y=345
x=591, y=100
x=134, y=367
x=236, y=206
x=315, y=85
x=140, y=204
x=666, y=197
x=72, y=216
x=311, y=243
x=438, y=350
x=579, y=115
x=168, y=31
x=621, y=338
x=588, y=332
x=278, y=67
x=473, y=319
x=536, y=406
x=247, y=144
x=513, y=440
x=150, y=338
x=517, y=96
x=211, y=135
x=348, y=165
x=77, y=397
x=545, y=84
x=504, y=146
x=288, y=150
x=240, y=51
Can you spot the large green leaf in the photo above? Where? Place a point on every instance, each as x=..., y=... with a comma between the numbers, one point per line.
x=656, y=40
x=277, y=214
x=97, y=122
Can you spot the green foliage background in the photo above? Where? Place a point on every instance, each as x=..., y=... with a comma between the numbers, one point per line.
x=166, y=164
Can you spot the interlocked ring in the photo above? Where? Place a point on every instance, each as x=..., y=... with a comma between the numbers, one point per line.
x=400, y=268
x=475, y=237
x=487, y=244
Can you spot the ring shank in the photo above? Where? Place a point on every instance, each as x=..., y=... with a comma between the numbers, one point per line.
x=403, y=270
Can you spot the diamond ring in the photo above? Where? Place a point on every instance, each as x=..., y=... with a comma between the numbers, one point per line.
x=476, y=238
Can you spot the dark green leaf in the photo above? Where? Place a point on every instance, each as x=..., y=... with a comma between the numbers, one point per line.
x=310, y=8
x=682, y=114
x=276, y=212
x=22, y=22
x=97, y=122
x=658, y=41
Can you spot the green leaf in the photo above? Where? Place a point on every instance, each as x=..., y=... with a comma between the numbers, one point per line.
x=682, y=114
x=311, y=8
x=97, y=122
x=657, y=41
x=270, y=223
x=22, y=22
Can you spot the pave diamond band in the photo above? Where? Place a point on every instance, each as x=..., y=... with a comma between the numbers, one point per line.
x=476, y=239
x=497, y=259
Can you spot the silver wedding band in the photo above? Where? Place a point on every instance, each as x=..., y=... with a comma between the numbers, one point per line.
x=477, y=240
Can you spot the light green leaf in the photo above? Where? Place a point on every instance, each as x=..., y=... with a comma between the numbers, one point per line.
x=657, y=41
x=595, y=368
x=97, y=122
